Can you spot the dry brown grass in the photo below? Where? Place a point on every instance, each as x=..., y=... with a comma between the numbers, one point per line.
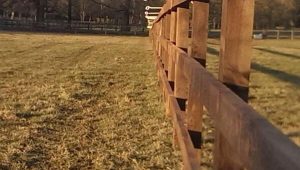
x=274, y=82
x=81, y=102
x=92, y=102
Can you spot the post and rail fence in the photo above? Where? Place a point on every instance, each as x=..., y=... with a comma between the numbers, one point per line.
x=243, y=138
x=74, y=27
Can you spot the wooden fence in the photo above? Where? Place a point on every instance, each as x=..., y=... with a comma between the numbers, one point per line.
x=243, y=138
x=74, y=27
x=266, y=34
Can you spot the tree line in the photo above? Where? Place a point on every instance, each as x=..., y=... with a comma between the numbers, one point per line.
x=269, y=14
x=120, y=12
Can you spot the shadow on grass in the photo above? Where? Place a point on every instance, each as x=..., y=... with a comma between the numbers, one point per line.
x=293, y=56
x=27, y=115
x=213, y=43
x=293, y=134
x=212, y=51
x=281, y=75
x=287, y=77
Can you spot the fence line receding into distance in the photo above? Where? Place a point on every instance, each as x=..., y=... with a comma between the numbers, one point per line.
x=243, y=138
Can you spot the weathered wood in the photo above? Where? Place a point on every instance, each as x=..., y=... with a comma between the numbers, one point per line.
x=195, y=112
x=181, y=83
x=198, y=51
x=166, y=88
x=168, y=25
x=182, y=28
x=247, y=138
x=173, y=24
x=235, y=62
x=171, y=64
x=236, y=45
x=200, y=31
x=244, y=139
x=186, y=146
x=160, y=23
x=165, y=56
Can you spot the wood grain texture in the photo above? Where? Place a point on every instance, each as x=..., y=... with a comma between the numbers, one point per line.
x=182, y=26
x=189, y=155
x=199, y=30
x=181, y=83
x=236, y=41
x=173, y=24
x=243, y=138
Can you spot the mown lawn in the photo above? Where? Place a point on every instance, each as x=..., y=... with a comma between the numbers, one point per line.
x=81, y=102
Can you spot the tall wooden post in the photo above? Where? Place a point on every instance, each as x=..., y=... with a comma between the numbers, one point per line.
x=167, y=36
x=235, y=62
x=200, y=30
x=160, y=23
x=236, y=45
x=182, y=30
x=198, y=51
x=163, y=55
x=182, y=41
x=173, y=25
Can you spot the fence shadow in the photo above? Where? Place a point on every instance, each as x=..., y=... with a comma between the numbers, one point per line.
x=293, y=56
x=213, y=51
x=293, y=134
x=287, y=77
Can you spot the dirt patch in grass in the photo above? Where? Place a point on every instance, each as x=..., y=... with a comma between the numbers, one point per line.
x=81, y=102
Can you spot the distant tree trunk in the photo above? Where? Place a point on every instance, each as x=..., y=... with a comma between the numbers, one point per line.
x=82, y=16
x=126, y=17
x=70, y=12
x=125, y=21
x=46, y=7
x=12, y=15
x=40, y=10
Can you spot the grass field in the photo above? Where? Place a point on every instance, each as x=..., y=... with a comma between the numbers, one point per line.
x=274, y=82
x=92, y=102
x=81, y=102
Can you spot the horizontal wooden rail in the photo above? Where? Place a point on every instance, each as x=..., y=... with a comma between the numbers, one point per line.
x=168, y=7
x=243, y=138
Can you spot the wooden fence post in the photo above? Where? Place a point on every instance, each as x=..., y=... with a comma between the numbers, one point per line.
x=167, y=37
x=236, y=45
x=160, y=23
x=235, y=63
x=200, y=30
x=182, y=30
x=173, y=25
x=163, y=20
x=180, y=90
x=198, y=51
